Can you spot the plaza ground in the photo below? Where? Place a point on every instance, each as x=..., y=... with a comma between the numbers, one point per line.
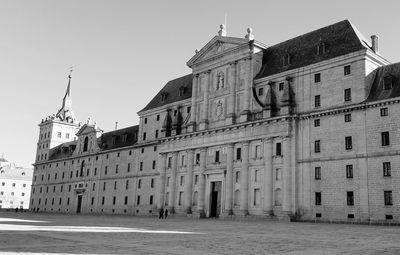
x=40, y=233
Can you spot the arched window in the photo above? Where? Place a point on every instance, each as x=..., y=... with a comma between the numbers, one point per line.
x=85, y=144
x=237, y=197
x=195, y=198
x=82, y=167
x=167, y=199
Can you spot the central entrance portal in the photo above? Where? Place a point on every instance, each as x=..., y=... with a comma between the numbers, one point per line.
x=215, y=199
x=79, y=206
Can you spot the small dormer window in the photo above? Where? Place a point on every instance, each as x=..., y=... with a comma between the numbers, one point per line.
x=181, y=91
x=387, y=82
x=124, y=137
x=321, y=48
x=286, y=59
x=163, y=96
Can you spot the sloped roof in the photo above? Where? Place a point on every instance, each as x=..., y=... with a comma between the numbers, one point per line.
x=62, y=150
x=171, y=92
x=377, y=91
x=340, y=39
x=115, y=139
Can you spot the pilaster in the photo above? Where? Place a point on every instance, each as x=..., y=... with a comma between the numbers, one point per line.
x=244, y=180
x=189, y=182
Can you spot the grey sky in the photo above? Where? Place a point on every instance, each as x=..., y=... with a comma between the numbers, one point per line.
x=123, y=52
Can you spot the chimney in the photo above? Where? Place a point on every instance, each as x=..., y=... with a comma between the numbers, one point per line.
x=116, y=125
x=374, y=41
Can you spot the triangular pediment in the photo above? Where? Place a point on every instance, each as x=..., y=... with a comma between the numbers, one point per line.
x=217, y=46
x=88, y=129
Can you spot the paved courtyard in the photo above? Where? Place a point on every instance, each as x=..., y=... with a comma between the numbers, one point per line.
x=41, y=233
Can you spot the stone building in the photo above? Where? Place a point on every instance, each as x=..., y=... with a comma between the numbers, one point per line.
x=15, y=185
x=305, y=128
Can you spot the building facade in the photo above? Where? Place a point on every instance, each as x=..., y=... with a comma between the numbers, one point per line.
x=15, y=186
x=307, y=128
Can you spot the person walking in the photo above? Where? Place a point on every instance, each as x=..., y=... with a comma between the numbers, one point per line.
x=166, y=213
x=161, y=214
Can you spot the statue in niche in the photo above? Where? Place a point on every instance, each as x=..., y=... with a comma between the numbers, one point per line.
x=219, y=110
x=220, y=80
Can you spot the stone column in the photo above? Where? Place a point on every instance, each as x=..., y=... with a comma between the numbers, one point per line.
x=268, y=177
x=204, y=120
x=287, y=175
x=172, y=189
x=244, y=180
x=232, y=96
x=161, y=169
x=202, y=183
x=247, y=95
x=193, y=110
x=189, y=181
x=229, y=180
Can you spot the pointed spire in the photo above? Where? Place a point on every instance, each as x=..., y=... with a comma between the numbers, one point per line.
x=66, y=113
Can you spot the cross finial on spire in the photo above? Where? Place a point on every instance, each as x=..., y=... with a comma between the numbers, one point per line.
x=71, y=69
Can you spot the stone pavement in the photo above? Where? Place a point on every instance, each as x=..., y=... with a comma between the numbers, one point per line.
x=30, y=233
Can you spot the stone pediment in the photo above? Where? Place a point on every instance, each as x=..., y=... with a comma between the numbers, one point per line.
x=88, y=129
x=217, y=46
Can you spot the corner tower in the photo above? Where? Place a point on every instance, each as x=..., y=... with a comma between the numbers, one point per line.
x=57, y=128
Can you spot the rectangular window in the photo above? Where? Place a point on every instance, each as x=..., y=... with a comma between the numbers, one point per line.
x=317, y=101
x=387, y=169
x=116, y=169
x=346, y=70
x=384, y=111
x=168, y=181
x=114, y=200
x=127, y=184
x=180, y=198
x=317, y=77
x=105, y=170
x=257, y=175
x=317, y=198
x=317, y=122
x=158, y=117
x=317, y=146
x=126, y=200
x=59, y=134
x=388, y=197
x=95, y=171
x=216, y=159
x=256, y=197
x=152, y=183
x=145, y=120
x=144, y=136
x=350, y=198
x=141, y=166
x=260, y=91
x=196, y=179
x=104, y=186
x=278, y=149
x=182, y=160
x=182, y=181
x=129, y=167
x=156, y=133
x=317, y=173
x=347, y=95
x=197, y=158
x=140, y=183
x=347, y=117
x=348, y=143
x=102, y=200
x=237, y=177
x=138, y=200
x=169, y=165
x=238, y=153
x=154, y=165
x=281, y=85
x=151, y=199
x=385, y=138
x=188, y=109
x=349, y=171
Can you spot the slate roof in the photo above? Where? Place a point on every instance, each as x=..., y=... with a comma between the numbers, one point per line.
x=171, y=91
x=64, y=150
x=340, y=39
x=377, y=91
x=106, y=142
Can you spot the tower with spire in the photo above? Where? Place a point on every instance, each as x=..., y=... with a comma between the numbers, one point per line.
x=57, y=128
